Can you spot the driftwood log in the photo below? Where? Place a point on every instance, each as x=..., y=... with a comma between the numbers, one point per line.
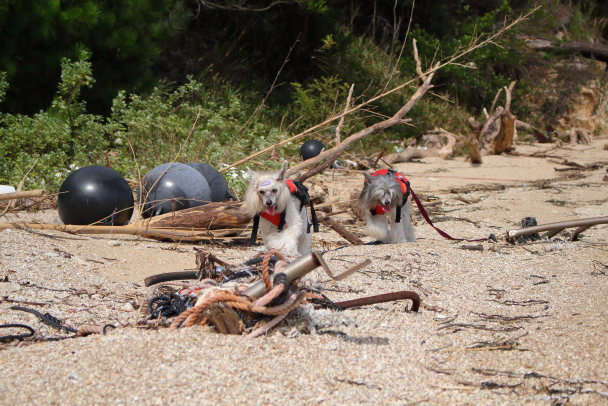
x=159, y=233
x=574, y=136
x=22, y=195
x=212, y=216
x=497, y=133
x=214, y=221
x=438, y=142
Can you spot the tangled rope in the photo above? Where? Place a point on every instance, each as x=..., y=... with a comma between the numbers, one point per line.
x=196, y=315
x=265, y=262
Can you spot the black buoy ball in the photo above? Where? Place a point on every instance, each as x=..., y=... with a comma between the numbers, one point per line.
x=217, y=183
x=172, y=187
x=311, y=149
x=95, y=194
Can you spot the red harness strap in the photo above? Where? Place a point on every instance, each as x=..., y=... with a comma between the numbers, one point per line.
x=403, y=181
x=273, y=218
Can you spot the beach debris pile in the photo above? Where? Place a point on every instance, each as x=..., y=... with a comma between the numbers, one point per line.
x=250, y=298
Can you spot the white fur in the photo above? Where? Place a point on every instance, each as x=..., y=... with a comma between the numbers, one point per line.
x=386, y=190
x=271, y=187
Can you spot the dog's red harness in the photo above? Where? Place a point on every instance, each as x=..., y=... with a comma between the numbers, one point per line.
x=404, y=183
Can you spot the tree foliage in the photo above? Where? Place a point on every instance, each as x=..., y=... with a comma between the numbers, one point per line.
x=123, y=38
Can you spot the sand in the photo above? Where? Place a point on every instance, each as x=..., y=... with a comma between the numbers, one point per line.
x=507, y=325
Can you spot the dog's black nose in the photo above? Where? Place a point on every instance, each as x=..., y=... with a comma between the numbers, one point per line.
x=268, y=202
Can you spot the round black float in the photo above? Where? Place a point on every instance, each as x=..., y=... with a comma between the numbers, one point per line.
x=95, y=194
x=217, y=183
x=172, y=187
x=311, y=149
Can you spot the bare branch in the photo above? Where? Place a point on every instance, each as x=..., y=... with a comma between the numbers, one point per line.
x=508, y=92
x=346, y=107
x=397, y=118
x=475, y=44
x=494, y=102
x=417, y=59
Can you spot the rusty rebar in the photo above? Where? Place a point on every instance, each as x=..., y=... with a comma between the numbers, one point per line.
x=386, y=297
x=169, y=276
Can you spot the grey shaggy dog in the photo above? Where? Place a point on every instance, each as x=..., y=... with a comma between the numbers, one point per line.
x=383, y=192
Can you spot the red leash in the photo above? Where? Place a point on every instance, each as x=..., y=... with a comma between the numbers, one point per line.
x=428, y=220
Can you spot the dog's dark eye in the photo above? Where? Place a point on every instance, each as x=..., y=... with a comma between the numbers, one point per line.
x=261, y=192
x=274, y=190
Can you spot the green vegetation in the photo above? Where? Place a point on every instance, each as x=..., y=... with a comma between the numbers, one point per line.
x=137, y=84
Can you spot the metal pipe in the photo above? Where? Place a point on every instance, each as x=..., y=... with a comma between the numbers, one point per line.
x=293, y=271
x=513, y=234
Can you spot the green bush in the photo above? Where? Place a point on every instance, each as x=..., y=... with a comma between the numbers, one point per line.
x=49, y=144
x=196, y=122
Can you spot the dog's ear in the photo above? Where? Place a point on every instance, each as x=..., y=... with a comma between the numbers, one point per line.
x=368, y=177
x=283, y=171
x=252, y=174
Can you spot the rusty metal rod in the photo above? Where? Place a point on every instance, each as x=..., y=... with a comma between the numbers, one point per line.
x=576, y=232
x=386, y=297
x=169, y=276
x=513, y=234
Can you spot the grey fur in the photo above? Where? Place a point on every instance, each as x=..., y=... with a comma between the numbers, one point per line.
x=383, y=190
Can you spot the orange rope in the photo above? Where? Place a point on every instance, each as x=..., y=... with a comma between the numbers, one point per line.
x=194, y=315
x=266, y=262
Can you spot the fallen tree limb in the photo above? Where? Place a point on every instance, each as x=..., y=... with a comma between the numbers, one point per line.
x=337, y=227
x=540, y=135
x=174, y=234
x=554, y=228
x=22, y=195
x=218, y=215
x=438, y=142
x=397, y=118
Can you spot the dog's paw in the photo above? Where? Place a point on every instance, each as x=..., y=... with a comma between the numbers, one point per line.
x=377, y=233
x=286, y=245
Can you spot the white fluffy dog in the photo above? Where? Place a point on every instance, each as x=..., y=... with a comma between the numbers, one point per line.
x=269, y=196
x=387, y=208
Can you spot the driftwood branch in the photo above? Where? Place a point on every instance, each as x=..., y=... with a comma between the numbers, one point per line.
x=508, y=95
x=574, y=136
x=337, y=227
x=346, y=107
x=540, y=135
x=397, y=118
x=499, y=130
x=437, y=142
x=22, y=195
x=168, y=233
